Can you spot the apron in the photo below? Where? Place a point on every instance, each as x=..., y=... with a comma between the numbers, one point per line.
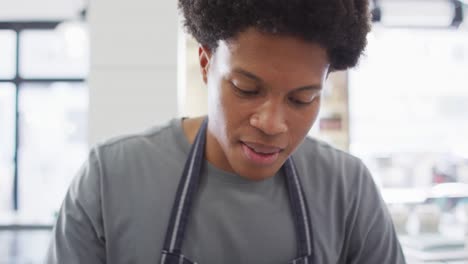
x=172, y=254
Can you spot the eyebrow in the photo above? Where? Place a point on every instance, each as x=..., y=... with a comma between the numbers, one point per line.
x=248, y=75
x=258, y=79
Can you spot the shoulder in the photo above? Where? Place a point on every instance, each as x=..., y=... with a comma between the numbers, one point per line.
x=332, y=175
x=136, y=155
x=158, y=139
x=325, y=161
x=312, y=147
x=138, y=165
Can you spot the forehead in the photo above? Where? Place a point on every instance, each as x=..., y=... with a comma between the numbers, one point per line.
x=272, y=55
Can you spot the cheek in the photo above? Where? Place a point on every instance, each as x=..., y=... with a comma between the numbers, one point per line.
x=234, y=109
x=222, y=113
x=300, y=124
x=314, y=113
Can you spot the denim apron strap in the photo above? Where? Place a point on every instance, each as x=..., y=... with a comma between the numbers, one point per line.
x=187, y=188
x=300, y=212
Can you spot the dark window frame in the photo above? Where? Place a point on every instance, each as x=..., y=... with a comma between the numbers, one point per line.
x=18, y=80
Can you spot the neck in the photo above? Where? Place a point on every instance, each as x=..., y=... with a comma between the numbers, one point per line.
x=190, y=127
x=213, y=152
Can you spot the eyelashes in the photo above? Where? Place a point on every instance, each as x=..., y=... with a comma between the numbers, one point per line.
x=301, y=103
x=244, y=92
x=299, y=99
x=247, y=94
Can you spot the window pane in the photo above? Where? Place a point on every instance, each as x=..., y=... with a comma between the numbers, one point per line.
x=7, y=54
x=24, y=246
x=53, y=139
x=54, y=53
x=7, y=144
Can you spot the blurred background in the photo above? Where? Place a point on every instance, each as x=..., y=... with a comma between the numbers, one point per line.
x=73, y=73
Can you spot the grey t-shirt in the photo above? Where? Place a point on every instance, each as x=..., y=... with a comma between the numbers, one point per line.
x=118, y=207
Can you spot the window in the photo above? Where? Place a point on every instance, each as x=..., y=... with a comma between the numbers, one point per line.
x=42, y=82
x=7, y=139
x=51, y=54
x=53, y=142
x=7, y=54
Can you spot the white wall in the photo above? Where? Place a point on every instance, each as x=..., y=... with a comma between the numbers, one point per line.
x=133, y=74
x=195, y=99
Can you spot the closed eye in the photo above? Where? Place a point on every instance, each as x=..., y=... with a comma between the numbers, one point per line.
x=244, y=92
x=298, y=102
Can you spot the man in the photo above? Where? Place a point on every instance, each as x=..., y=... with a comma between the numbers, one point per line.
x=242, y=185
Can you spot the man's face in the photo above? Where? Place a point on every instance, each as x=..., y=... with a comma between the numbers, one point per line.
x=264, y=95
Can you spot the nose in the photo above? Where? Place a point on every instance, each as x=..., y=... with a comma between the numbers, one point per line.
x=270, y=119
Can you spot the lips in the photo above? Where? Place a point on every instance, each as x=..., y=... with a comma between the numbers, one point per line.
x=263, y=149
x=260, y=154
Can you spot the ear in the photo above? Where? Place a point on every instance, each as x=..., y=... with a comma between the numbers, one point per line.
x=204, y=56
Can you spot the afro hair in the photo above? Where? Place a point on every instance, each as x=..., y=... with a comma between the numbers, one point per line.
x=340, y=26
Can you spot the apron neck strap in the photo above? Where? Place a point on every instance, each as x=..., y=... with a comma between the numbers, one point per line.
x=299, y=209
x=186, y=190
x=188, y=186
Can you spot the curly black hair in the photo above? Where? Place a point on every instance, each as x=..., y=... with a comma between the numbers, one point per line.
x=340, y=26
